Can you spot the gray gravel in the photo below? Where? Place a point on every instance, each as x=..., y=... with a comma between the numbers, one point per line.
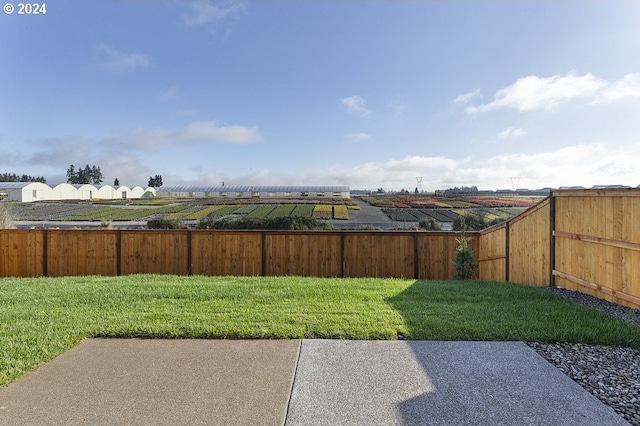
x=612, y=374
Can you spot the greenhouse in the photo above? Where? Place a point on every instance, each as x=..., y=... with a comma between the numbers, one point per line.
x=26, y=192
x=244, y=191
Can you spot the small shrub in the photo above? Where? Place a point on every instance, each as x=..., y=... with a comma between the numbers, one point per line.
x=429, y=224
x=164, y=223
x=472, y=221
x=464, y=261
x=279, y=223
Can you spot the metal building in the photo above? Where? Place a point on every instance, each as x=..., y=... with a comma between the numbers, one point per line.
x=246, y=191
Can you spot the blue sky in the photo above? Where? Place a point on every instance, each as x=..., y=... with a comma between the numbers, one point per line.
x=368, y=94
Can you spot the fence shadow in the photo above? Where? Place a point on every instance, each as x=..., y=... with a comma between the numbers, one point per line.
x=478, y=382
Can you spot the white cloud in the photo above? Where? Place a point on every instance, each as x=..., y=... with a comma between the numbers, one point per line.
x=112, y=60
x=199, y=132
x=510, y=132
x=203, y=12
x=578, y=165
x=208, y=131
x=466, y=98
x=357, y=137
x=355, y=105
x=390, y=174
x=539, y=93
x=627, y=87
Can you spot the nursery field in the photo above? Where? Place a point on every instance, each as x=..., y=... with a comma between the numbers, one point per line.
x=461, y=202
x=184, y=211
x=408, y=214
x=413, y=208
x=395, y=208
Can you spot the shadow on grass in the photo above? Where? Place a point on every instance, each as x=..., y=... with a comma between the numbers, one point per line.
x=468, y=338
x=493, y=311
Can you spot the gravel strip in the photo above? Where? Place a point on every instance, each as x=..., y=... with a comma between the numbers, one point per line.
x=612, y=374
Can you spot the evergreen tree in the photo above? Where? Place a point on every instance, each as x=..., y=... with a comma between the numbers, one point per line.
x=116, y=182
x=84, y=175
x=155, y=181
x=96, y=175
x=12, y=177
x=71, y=174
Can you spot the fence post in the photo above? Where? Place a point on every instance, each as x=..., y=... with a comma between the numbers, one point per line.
x=416, y=257
x=506, y=252
x=264, y=254
x=552, y=239
x=45, y=253
x=342, y=254
x=189, y=258
x=118, y=252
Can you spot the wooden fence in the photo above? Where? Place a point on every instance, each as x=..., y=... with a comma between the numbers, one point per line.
x=421, y=255
x=582, y=240
x=597, y=243
x=586, y=240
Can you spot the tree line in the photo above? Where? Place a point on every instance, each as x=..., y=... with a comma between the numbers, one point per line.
x=80, y=176
x=86, y=175
x=12, y=177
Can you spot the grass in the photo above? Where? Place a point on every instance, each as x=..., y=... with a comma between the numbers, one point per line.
x=42, y=317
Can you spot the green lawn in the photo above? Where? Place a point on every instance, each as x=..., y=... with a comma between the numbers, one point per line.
x=41, y=318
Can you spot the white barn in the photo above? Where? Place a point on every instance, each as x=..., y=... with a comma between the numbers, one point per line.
x=26, y=192
x=243, y=191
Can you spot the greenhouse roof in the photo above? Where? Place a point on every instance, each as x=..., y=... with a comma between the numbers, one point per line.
x=251, y=188
x=17, y=185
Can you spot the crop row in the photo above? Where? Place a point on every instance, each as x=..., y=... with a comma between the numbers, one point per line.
x=340, y=212
x=414, y=215
x=302, y=210
x=183, y=211
x=46, y=211
x=323, y=211
x=281, y=210
x=440, y=215
x=262, y=211
x=194, y=213
x=400, y=215
x=121, y=213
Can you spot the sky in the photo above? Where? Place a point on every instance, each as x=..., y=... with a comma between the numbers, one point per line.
x=365, y=93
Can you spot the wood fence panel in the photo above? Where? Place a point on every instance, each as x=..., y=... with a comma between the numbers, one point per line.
x=491, y=254
x=435, y=255
x=530, y=245
x=597, y=243
x=630, y=259
x=80, y=253
x=382, y=254
x=221, y=253
x=304, y=254
x=21, y=253
x=154, y=252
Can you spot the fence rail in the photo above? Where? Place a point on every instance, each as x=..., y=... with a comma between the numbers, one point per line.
x=582, y=240
x=586, y=240
x=420, y=255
